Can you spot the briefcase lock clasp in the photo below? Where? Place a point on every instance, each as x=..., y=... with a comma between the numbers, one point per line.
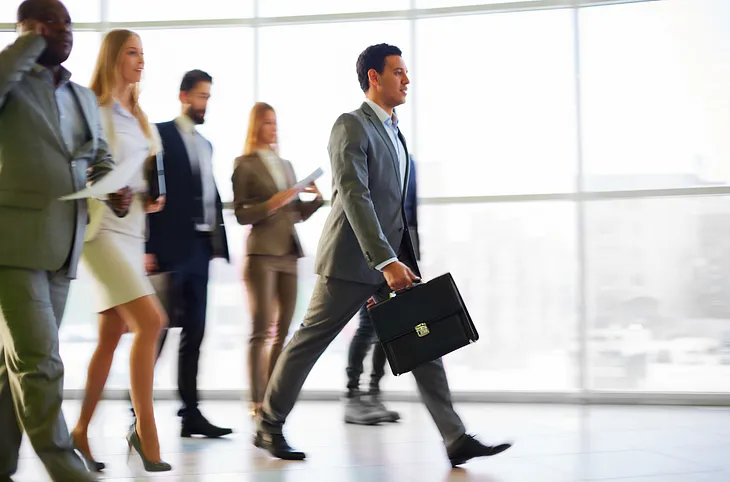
x=422, y=330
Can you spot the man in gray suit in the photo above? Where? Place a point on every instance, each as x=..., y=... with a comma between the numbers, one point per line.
x=51, y=144
x=365, y=251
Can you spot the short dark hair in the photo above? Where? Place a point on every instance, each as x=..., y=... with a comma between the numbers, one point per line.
x=29, y=9
x=193, y=78
x=374, y=57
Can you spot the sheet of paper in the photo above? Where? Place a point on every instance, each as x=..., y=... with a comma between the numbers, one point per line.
x=301, y=185
x=114, y=181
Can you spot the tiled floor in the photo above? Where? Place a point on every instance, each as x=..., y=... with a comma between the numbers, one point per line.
x=553, y=443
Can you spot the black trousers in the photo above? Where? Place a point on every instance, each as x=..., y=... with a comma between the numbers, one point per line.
x=189, y=288
x=361, y=342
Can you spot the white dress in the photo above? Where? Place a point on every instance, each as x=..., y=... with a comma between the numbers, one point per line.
x=115, y=257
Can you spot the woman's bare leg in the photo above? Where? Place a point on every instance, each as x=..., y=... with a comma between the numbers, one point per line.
x=111, y=329
x=146, y=318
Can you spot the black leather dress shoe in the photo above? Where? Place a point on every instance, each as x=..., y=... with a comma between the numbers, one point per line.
x=198, y=425
x=467, y=448
x=276, y=445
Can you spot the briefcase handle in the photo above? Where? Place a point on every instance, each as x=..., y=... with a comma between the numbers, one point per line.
x=396, y=293
x=400, y=292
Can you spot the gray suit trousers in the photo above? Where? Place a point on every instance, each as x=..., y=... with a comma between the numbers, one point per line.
x=333, y=304
x=31, y=372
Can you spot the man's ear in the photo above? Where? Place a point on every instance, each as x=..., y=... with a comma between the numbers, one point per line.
x=373, y=76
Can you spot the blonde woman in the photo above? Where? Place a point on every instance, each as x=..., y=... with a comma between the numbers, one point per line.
x=265, y=199
x=115, y=256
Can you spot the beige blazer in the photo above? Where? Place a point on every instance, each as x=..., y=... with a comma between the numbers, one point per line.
x=271, y=234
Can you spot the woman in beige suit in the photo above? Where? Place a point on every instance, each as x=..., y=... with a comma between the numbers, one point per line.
x=263, y=197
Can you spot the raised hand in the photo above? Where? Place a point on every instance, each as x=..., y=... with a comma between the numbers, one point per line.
x=33, y=25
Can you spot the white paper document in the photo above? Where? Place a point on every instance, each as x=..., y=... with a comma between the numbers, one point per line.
x=118, y=178
x=301, y=185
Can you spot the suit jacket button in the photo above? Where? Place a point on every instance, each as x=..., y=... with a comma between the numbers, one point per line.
x=400, y=230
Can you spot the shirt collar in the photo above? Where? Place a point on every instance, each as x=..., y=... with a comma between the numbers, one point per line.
x=186, y=124
x=266, y=153
x=117, y=107
x=382, y=115
x=64, y=74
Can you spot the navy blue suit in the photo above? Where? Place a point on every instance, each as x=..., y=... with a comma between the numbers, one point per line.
x=185, y=253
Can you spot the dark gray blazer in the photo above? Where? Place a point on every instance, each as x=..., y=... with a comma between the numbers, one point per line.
x=366, y=225
x=37, y=230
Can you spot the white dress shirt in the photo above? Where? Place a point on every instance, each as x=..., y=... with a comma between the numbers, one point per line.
x=70, y=116
x=201, y=160
x=391, y=127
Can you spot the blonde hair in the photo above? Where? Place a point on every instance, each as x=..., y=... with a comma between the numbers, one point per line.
x=255, y=120
x=107, y=74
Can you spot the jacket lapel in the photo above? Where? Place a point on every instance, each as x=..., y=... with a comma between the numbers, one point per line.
x=291, y=177
x=76, y=89
x=180, y=142
x=408, y=167
x=44, y=96
x=375, y=121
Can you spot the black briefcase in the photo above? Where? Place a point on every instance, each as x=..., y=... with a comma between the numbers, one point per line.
x=422, y=324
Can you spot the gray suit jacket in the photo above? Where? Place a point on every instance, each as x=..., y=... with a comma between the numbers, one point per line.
x=37, y=230
x=366, y=225
x=270, y=234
